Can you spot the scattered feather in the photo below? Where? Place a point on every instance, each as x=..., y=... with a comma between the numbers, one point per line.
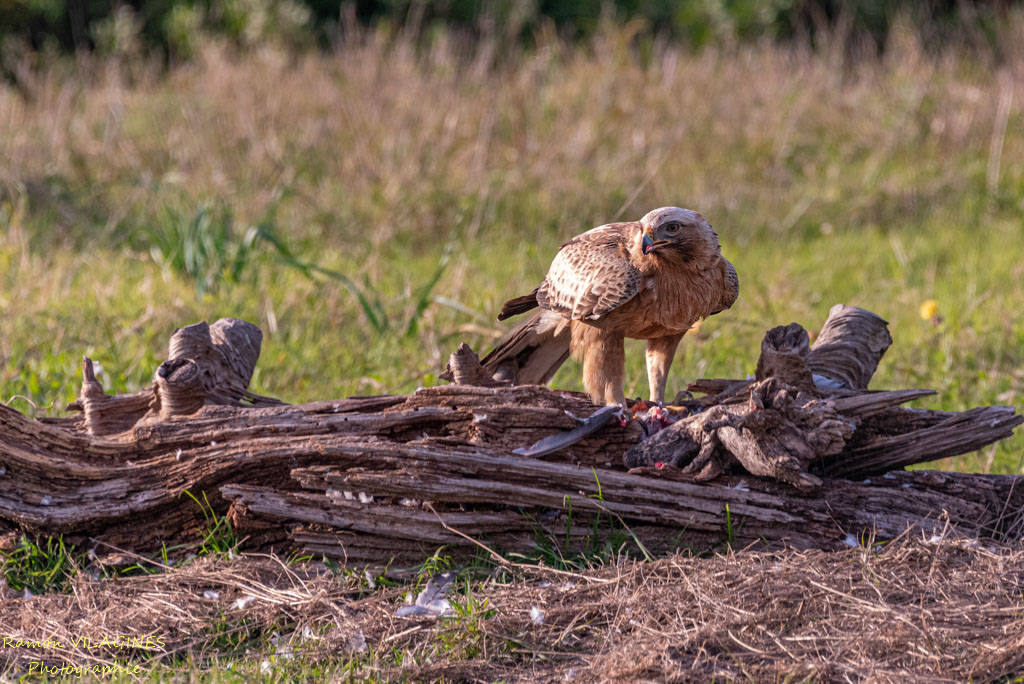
x=357, y=642
x=242, y=602
x=430, y=602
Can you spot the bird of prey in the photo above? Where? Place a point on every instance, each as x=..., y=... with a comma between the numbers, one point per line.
x=650, y=279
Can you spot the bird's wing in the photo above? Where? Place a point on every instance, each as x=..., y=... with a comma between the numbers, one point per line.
x=730, y=287
x=591, y=274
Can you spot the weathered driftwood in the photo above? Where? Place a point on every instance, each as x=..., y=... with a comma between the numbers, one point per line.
x=483, y=494
x=105, y=414
x=60, y=480
x=784, y=354
x=205, y=365
x=844, y=356
x=375, y=478
x=849, y=346
x=464, y=369
x=807, y=413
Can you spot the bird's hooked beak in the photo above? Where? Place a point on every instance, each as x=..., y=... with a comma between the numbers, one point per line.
x=648, y=245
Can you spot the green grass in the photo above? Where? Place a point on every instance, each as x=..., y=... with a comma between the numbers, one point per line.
x=368, y=225
x=464, y=636
x=49, y=565
x=219, y=538
x=40, y=565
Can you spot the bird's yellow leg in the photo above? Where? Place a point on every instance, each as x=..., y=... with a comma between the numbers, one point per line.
x=660, y=352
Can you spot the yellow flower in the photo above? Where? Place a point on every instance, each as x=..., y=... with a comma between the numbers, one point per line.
x=695, y=328
x=929, y=308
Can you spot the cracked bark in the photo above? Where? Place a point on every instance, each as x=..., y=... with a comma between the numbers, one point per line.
x=373, y=479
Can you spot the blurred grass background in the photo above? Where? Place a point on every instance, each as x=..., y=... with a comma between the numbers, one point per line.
x=372, y=204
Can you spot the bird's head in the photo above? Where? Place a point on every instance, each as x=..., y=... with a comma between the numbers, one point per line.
x=671, y=230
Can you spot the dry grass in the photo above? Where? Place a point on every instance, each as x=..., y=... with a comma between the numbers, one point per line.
x=372, y=138
x=917, y=609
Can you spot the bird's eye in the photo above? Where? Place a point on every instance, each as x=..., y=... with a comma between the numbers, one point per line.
x=673, y=228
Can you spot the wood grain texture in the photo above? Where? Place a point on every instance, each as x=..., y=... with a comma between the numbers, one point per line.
x=849, y=346
x=373, y=479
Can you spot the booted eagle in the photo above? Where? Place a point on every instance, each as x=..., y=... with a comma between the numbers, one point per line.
x=650, y=279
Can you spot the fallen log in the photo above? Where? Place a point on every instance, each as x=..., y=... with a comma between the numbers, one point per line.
x=664, y=513
x=780, y=458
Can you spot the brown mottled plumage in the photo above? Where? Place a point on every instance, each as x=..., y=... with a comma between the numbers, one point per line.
x=650, y=279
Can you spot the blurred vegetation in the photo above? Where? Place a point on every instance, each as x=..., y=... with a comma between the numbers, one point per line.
x=174, y=28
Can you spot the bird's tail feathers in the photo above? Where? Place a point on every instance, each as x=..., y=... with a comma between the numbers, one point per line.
x=533, y=352
x=518, y=305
